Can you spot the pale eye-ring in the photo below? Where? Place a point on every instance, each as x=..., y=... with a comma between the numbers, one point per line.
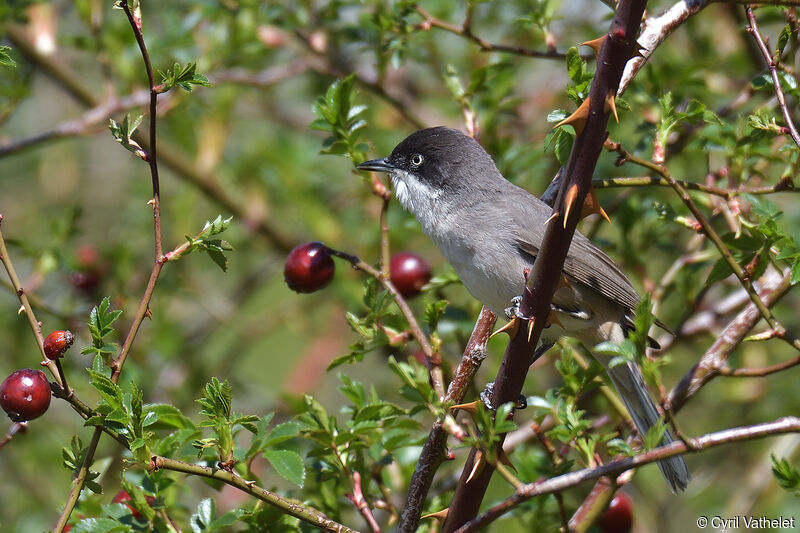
x=417, y=159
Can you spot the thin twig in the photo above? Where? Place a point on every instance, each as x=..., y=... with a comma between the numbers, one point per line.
x=361, y=503
x=776, y=82
x=787, y=424
x=712, y=234
x=429, y=21
x=434, y=359
x=35, y=325
x=290, y=507
x=16, y=427
x=784, y=184
x=432, y=453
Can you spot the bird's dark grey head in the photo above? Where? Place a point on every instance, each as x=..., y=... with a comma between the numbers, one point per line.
x=434, y=165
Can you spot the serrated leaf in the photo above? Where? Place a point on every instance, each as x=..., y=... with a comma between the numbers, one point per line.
x=288, y=464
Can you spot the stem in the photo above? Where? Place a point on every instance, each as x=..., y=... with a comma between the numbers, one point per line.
x=776, y=82
x=290, y=507
x=36, y=326
x=434, y=359
x=712, y=234
x=645, y=181
x=432, y=453
x=546, y=273
x=787, y=424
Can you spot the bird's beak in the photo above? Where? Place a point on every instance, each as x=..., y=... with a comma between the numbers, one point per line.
x=376, y=165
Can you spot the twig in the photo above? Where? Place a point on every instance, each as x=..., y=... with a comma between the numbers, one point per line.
x=184, y=169
x=116, y=366
x=429, y=21
x=771, y=64
x=655, y=31
x=712, y=234
x=773, y=286
x=784, y=184
x=290, y=507
x=434, y=359
x=432, y=453
x=787, y=424
x=16, y=427
x=35, y=325
x=361, y=503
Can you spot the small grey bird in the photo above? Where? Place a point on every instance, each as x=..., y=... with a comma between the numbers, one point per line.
x=490, y=230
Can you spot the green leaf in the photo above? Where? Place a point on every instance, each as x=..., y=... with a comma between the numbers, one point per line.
x=202, y=518
x=655, y=435
x=183, y=77
x=786, y=475
x=5, y=58
x=288, y=464
x=123, y=133
x=99, y=525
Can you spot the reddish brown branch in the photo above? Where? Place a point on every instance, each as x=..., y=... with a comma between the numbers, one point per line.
x=433, y=451
x=617, y=48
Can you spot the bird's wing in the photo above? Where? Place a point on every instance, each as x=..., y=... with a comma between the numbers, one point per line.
x=585, y=263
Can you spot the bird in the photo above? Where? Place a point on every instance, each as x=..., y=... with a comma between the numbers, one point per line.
x=490, y=231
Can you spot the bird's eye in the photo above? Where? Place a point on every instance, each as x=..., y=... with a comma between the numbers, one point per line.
x=417, y=159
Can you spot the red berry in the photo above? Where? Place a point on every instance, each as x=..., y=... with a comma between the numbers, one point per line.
x=25, y=395
x=57, y=343
x=409, y=273
x=618, y=518
x=123, y=497
x=309, y=267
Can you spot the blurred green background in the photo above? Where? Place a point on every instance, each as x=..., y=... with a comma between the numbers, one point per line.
x=76, y=206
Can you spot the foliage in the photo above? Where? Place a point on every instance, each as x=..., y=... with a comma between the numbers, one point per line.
x=224, y=373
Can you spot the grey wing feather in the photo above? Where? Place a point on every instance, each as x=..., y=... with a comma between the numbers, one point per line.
x=584, y=262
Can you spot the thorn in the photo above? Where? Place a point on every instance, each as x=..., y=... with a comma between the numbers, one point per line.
x=511, y=328
x=568, y=201
x=563, y=282
x=611, y=105
x=21, y=309
x=592, y=206
x=151, y=202
x=552, y=217
x=471, y=407
x=440, y=516
x=148, y=313
x=477, y=467
x=596, y=45
x=503, y=458
x=578, y=119
x=552, y=318
x=531, y=322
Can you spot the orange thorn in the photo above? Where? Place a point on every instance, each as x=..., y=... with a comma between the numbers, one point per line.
x=470, y=407
x=592, y=206
x=440, y=516
x=572, y=193
x=563, y=282
x=477, y=465
x=611, y=105
x=578, y=119
x=531, y=322
x=510, y=328
x=503, y=458
x=552, y=217
x=596, y=45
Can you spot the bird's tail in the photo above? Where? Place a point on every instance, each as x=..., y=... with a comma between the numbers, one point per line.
x=628, y=380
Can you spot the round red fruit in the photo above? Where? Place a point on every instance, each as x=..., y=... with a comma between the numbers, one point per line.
x=309, y=267
x=25, y=395
x=409, y=273
x=123, y=497
x=57, y=343
x=618, y=518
